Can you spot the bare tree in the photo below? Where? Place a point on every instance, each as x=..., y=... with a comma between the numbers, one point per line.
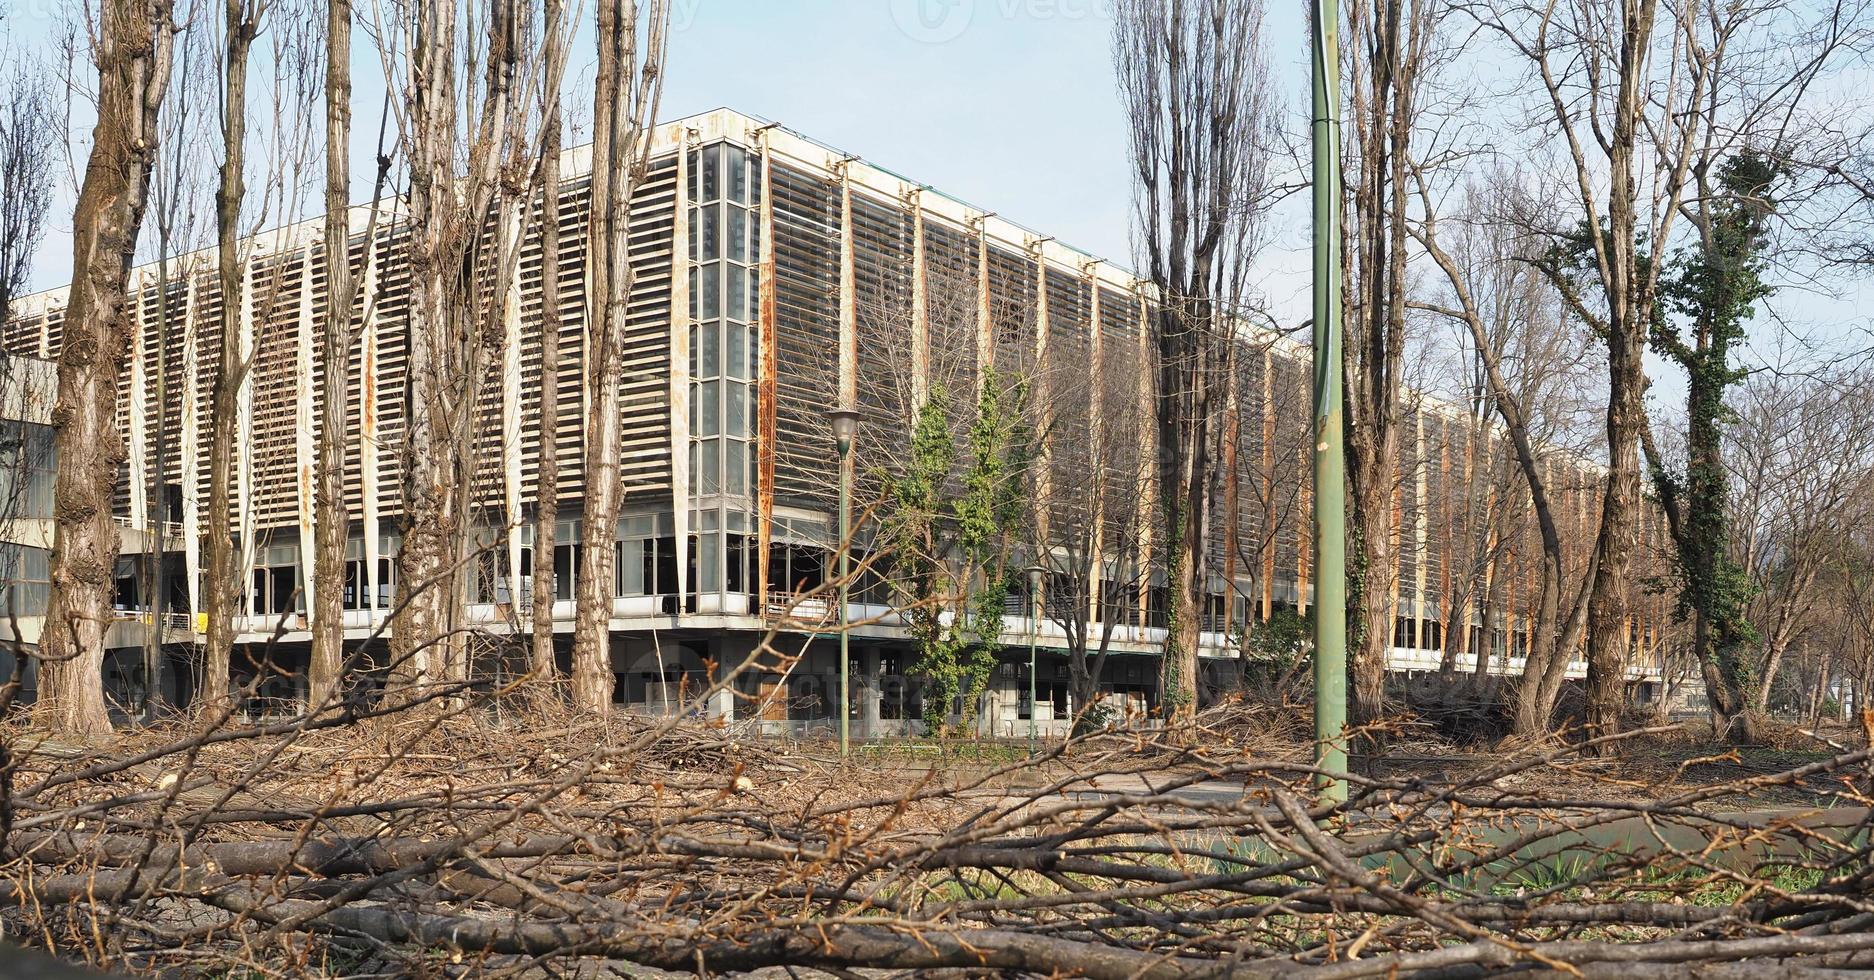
x=1760, y=66
x=952, y=475
x=447, y=214
x=134, y=40
x=339, y=332
x=1195, y=91
x=1493, y=295
x=1386, y=60
x=1092, y=555
x=1274, y=498
x=1798, y=456
x=178, y=229
x=27, y=126
x=547, y=480
x=222, y=579
x=333, y=527
x=1616, y=87
x=630, y=80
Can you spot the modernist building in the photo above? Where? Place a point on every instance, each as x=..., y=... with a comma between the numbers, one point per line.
x=774, y=279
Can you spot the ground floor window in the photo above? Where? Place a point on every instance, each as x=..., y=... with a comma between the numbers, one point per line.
x=796, y=569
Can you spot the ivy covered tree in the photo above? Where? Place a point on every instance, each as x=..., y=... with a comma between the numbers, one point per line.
x=954, y=510
x=1710, y=289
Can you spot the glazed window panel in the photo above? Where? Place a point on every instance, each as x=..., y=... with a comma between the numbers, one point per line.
x=708, y=351
x=709, y=467
x=711, y=170
x=737, y=161
x=708, y=409
x=709, y=233
x=738, y=292
x=737, y=422
x=28, y=470
x=738, y=343
x=630, y=564
x=709, y=292
x=735, y=467
x=737, y=239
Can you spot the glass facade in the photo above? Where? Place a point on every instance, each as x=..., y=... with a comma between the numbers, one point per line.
x=25, y=580
x=28, y=470
x=725, y=242
x=356, y=595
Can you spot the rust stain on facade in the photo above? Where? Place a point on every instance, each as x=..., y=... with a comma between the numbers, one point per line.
x=765, y=381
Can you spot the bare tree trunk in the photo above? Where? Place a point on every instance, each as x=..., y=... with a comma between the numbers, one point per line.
x=222, y=585
x=1192, y=80
x=133, y=55
x=547, y=484
x=1819, y=692
x=1551, y=640
x=609, y=289
x=1583, y=47
x=623, y=111
x=425, y=572
x=1391, y=38
x=1610, y=602
x=1184, y=476
x=333, y=523
x=1793, y=606
x=446, y=215
x=1629, y=291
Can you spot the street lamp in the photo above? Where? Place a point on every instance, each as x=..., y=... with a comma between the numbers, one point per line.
x=845, y=423
x=1036, y=574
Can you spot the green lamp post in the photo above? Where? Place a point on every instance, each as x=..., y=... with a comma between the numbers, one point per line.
x=845, y=425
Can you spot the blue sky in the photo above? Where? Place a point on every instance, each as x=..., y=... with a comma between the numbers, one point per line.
x=1008, y=104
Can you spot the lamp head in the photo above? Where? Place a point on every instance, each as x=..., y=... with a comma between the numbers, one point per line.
x=845, y=426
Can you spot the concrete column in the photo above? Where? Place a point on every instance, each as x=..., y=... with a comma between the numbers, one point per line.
x=1444, y=522
x=1096, y=444
x=1304, y=521
x=244, y=430
x=1490, y=548
x=920, y=303
x=303, y=453
x=1147, y=502
x=765, y=406
x=848, y=295
x=1512, y=597
x=368, y=483
x=1267, y=543
x=1396, y=535
x=512, y=452
x=721, y=707
x=985, y=326
x=137, y=422
x=194, y=495
x=679, y=390
x=1043, y=399
x=1470, y=587
x=1232, y=507
x=1420, y=536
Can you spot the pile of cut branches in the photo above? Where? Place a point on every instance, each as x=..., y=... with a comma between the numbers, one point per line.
x=434, y=839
